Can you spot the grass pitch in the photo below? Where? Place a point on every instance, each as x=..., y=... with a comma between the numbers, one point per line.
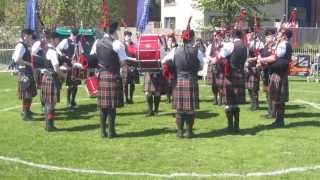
x=150, y=145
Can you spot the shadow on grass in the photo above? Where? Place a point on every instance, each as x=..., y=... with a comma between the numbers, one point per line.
x=80, y=112
x=87, y=127
x=147, y=133
x=205, y=115
x=302, y=115
x=255, y=130
x=288, y=107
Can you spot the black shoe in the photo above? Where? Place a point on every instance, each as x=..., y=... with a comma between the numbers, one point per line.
x=236, y=115
x=215, y=101
x=278, y=124
x=73, y=104
x=150, y=113
x=25, y=116
x=267, y=116
x=130, y=101
x=50, y=126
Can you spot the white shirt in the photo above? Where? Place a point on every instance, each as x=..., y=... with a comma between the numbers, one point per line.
x=170, y=57
x=52, y=56
x=18, y=53
x=227, y=48
x=36, y=47
x=63, y=45
x=281, y=49
x=117, y=46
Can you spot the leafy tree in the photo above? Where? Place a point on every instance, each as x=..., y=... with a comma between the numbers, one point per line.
x=228, y=9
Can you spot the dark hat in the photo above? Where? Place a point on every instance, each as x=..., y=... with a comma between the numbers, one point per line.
x=237, y=33
x=27, y=32
x=127, y=33
x=113, y=26
x=52, y=35
x=75, y=32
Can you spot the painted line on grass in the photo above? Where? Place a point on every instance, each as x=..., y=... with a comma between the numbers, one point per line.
x=37, y=103
x=299, y=101
x=148, y=174
x=312, y=104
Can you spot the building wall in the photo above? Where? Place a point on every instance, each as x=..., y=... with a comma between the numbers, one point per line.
x=181, y=10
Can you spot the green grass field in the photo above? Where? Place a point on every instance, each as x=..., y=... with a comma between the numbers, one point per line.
x=150, y=145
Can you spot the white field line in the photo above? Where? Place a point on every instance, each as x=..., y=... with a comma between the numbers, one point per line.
x=314, y=105
x=148, y=174
x=82, y=86
x=37, y=103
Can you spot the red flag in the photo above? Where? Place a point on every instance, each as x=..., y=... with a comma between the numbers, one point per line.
x=105, y=22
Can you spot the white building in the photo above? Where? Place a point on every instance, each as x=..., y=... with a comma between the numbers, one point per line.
x=175, y=14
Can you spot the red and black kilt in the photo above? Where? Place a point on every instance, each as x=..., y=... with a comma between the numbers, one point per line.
x=185, y=95
x=154, y=82
x=26, y=90
x=210, y=75
x=73, y=77
x=110, y=92
x=219, y=76
x=279, y=88
x=234, y=88
x=253, y=78
x=130, y=75
x=50, y=89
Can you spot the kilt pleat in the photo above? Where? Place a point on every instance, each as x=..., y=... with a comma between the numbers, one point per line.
x=234, y=88
x=185, y=95
x=154, y=83
x=110, y=92
x=129, y=74
x=73, y=77
x=50, y=89
x=279, y=88
x=27, y=92
x=253, y=78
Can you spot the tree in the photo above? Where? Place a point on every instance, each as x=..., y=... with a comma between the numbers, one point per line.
x=228, y=9
x=61, y=12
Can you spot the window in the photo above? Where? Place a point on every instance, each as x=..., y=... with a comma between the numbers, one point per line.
x=169, y=2
x=169, y=22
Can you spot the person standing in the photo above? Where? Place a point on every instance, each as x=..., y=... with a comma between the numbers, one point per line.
x=110, y=54
x=234, y=55
x=215, y=71
x=50, y=84
x=26, y=84
x=66, y=50
x=252, y=73
x=266, y=52
x=129, y=70
x=278, y=64
x=187, y=61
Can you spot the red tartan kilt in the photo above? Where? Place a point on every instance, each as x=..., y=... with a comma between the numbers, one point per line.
x=210, y=75
x=110, y=92
x=73, y=77
x=50, y=90
x=253, y=79
x=219, y=80
x=154, y=83
x=234, y=88
x=185, y=95
x=279, y=88
x=30, y=91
